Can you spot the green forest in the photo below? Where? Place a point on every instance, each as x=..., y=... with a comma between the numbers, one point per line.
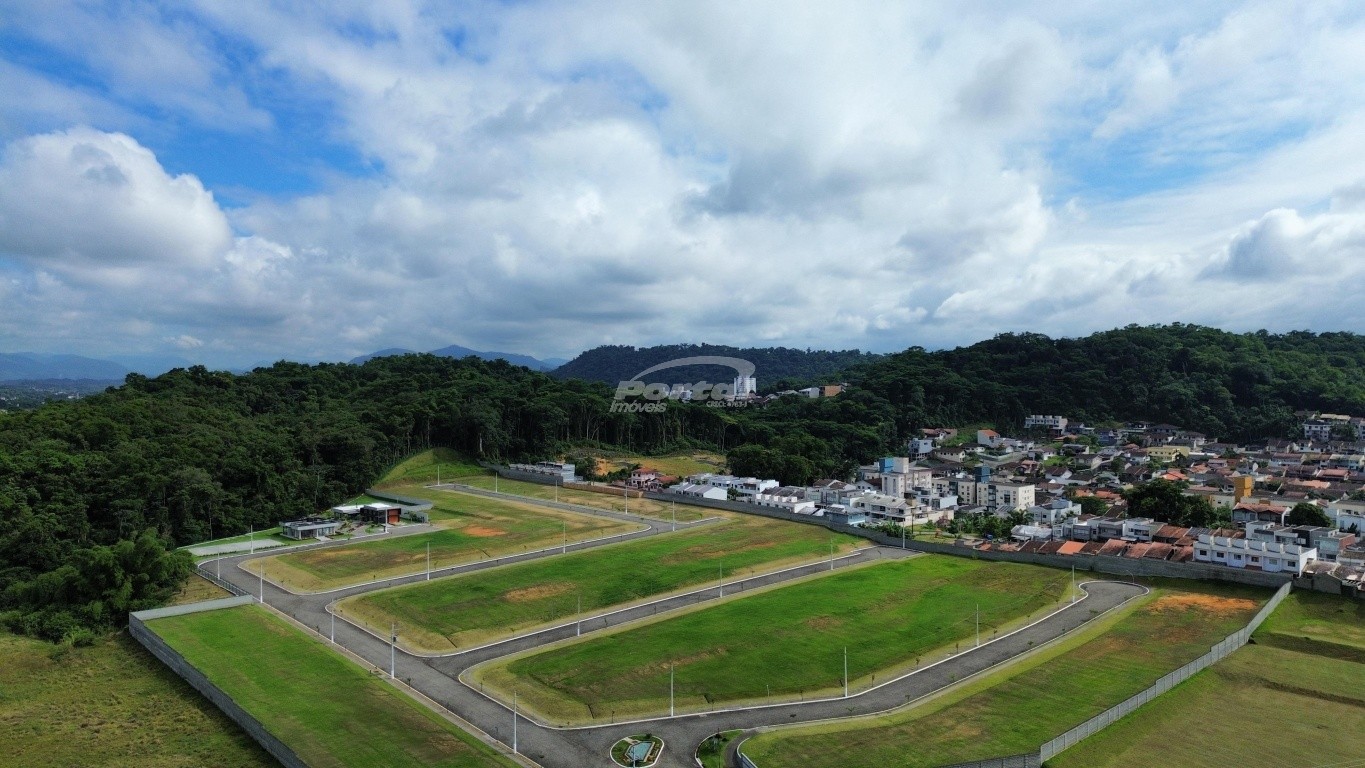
x=95, y=493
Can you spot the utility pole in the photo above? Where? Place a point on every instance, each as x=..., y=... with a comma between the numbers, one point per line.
x=428, y=561
x=261, y=573
x=845, y=671
x=333, y=634
x=1073, y=583
x=978, y=625
x=831, y=554
x=393, y=645
x=514, y=722
x=902, y=537
x=578, y=631
x=722, y=579
x=675, y=515
x=251, y=532
x=564, y=532
x=670, y=690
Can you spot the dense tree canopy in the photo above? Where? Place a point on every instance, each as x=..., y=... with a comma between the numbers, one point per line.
x=1305, y=513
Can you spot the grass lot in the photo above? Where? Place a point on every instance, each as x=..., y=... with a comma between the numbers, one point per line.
x=1261, y=707
x=1305, y=674
x=110, y=704
x=463, y=611
x=470, y=528
x=1313, y=622
x=676, y=464
x=423, y=468
x=197, y=589
x=612, y=502
x=1027, y=703
x=328, y=710
x=887, y=615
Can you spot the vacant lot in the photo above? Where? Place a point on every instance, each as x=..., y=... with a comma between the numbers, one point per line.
x=1306, y=699
x=1327, y=625
x=785, y=642
x=426, y=466
x=469, y=528
x=463, y=611
x=1022, y=706
x=610, y=501
x=1261, y=707
x=328, y=710
x=110, y=704
x=675, y=464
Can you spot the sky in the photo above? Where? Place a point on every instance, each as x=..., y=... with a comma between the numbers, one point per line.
x=235, y=182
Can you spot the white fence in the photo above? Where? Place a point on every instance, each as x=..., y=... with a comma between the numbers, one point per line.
x=1217, y=653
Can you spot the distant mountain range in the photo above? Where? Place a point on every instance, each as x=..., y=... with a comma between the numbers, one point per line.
x=27, y=366
x=457, y=351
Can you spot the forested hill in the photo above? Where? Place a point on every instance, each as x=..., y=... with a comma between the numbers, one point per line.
x=1232, y=386
x=774, y=365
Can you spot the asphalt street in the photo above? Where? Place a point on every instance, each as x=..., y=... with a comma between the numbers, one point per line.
x=579, y=747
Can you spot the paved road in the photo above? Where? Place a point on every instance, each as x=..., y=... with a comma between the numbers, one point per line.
x=555, y=747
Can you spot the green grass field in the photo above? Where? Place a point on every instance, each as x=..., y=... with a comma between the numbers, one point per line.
x=109, y=704
x=788, y=641
x=1300, y=708
x=1313, y=622
x=612, y=502
x=470, y=528
x=1305, y=674
x=463, y=611
x=426, y=466
x=328, y=710
x=1036, y=699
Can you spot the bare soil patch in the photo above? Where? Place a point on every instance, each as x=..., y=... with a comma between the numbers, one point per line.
x=1218, y=606
x=482, y=532
x=538, y=592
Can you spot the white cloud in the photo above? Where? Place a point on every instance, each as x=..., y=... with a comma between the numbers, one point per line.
x=873, y=174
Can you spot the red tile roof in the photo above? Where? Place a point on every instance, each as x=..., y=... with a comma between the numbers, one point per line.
x=1070, y=548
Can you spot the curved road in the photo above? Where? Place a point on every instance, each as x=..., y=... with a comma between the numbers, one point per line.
x=438, y=677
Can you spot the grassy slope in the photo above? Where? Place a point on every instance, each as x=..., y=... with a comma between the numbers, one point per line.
x=468, y=610
x=1310, y=698
x=328, y=710
x=471, y=528
x=1025, y=704
x=658, y=510
x=886, y=614
x=424, y=467
x=111, y=704
x=1291, y=709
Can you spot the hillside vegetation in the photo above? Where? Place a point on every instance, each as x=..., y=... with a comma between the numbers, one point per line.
x=197, y=454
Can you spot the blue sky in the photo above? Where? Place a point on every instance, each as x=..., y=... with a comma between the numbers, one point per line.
x=233, y=183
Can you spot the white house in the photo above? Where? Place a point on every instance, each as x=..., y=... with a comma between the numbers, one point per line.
x=1271, y=557
x=698, y=491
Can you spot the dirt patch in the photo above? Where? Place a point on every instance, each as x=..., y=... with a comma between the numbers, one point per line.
x=821, y=623
x=1218, y=606
x=482, y=532
x=538, y=592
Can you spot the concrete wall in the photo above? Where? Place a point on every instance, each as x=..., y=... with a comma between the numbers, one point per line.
x=170, y=657
x=1118, y=566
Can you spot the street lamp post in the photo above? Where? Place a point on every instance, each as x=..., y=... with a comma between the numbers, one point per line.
x=393, y=645
x=514, y=722
x=845, y=671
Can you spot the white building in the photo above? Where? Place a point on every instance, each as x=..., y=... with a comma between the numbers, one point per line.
x=744, y=486
x=698, y=491
x=1057, y=423
x=745, y=386
x=787, y=498
x=1271, y=557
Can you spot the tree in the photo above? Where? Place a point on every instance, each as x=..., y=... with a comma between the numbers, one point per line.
x=1166, y=501
x=1092, y=505
x=1305, y=513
